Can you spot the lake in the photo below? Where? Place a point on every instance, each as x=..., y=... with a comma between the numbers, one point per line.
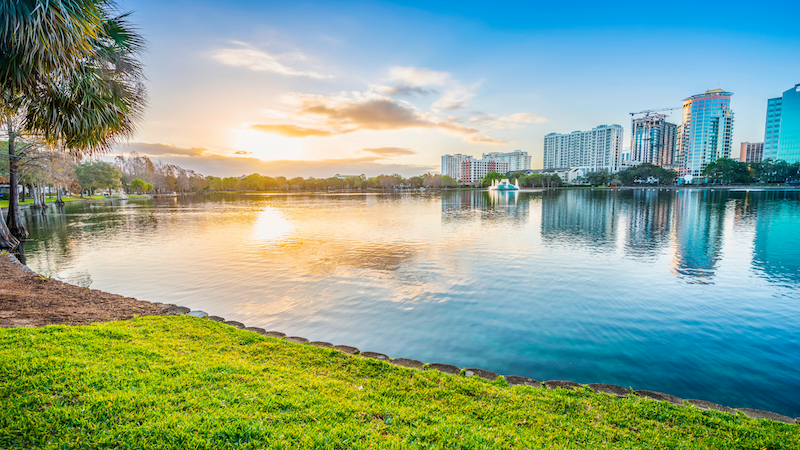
x=695, y=293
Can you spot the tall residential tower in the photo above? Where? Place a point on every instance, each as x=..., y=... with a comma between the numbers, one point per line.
x=517, y=160
x=598, y=148
x=653, y=140
x=782, y=133
x=706, y=132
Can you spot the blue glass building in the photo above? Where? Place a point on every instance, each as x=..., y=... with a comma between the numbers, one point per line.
x=706, y=132
x=782, y=132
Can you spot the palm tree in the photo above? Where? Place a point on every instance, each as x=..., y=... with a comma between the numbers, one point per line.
x=70, y=81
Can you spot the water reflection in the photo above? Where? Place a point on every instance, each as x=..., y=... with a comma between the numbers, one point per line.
x=643, y=288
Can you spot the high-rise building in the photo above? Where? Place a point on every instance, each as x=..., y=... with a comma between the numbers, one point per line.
x=517, y=160
x=751, y=152
x=782, y=132
x=468, y=170
x=706, y=132
x=653, y=140
x=598, y=148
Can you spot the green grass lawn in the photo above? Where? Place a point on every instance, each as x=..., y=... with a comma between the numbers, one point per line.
x=185, y=383
x=29, y=201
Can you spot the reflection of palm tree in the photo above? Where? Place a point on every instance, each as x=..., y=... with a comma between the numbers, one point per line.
x=69, y=79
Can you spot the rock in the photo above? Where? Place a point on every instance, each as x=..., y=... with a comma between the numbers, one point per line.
x=704, y=405
x=486, y=374
x=199, y=314
x=166, y=306
x=410, y=363
x=321, y=344
x=216, y=318
x=296, y=339
x=445, y=368
x=758, y=414
x=275, y=334
x=177, y=310
x=612, y=389
x=561, y=384
x=256, y=330
x=660, y=396
x=515, y=380
x=234, y=323
x=374, y=355
x=345, y=349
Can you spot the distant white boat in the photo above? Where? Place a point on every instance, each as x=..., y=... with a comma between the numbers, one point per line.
x=504, y=185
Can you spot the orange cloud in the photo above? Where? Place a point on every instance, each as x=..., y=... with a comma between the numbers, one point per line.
x=292, y=131
x=389, y=151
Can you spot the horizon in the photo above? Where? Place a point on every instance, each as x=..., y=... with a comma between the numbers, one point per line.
x=312, y=89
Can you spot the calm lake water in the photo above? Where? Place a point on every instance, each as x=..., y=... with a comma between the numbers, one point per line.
x=694, y=293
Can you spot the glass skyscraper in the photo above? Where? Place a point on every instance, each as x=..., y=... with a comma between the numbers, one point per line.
x=706, y=132
x=782, y=132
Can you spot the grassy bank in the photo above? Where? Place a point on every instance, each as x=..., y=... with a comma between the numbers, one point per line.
x=178, y=382
x=29, y=201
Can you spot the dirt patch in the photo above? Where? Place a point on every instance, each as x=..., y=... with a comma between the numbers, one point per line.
x=29, y=300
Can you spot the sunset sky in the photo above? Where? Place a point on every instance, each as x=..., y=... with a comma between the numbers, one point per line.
x=299, y=88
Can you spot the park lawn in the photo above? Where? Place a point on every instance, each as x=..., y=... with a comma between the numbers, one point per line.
x=178, y=382
x=4, y=203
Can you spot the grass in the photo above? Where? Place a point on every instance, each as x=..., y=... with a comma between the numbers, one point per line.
x=29, y=200
x=184, y=383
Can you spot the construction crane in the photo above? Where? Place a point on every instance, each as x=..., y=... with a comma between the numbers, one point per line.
x=657, y=110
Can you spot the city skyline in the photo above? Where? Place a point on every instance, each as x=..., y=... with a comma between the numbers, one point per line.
x=312, y=89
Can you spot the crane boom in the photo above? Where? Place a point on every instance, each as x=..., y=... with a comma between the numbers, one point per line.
x=657, y=110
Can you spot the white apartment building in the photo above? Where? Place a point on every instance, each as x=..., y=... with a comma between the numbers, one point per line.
x=598, y=148
x=469, y=170
x=517, y=160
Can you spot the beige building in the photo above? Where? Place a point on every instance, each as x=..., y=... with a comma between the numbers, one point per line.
x=751, y=152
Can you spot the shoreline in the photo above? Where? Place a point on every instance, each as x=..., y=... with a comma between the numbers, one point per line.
x=66, y=304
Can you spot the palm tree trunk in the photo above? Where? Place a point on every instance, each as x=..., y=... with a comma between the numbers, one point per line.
x=14, y=221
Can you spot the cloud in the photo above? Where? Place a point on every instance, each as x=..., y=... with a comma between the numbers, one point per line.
x=516, y=120
x=389, y=151
x=292, y=131
x=418, y=76
x=258, y=60
x=147, y=149
x=242, y=153
x=457, y=97
x=477, y=139
x=404, y=90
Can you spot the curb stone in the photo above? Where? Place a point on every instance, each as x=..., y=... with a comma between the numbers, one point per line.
x=199, y=314
x=235, y=324
x=758, y=414
x=216, y=318
x=445, y=368
x=485, y=374
x=321, y=344
x=296, y=339
x=410, y=363
x=515, y=380
x=178, y=310
x=374, y=355
x=611, y=389
x=346, y=349
x=258, y=330
x=275, y=334
x=704, y=405
x=660, y=396
x=563, y=384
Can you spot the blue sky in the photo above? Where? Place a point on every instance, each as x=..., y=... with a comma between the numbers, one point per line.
x=317, y=88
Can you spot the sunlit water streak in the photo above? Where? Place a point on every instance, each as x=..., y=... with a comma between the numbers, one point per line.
x=693, y=293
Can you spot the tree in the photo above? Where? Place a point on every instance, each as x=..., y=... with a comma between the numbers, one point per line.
x=138, y=185
x=491, y=176
x=69, y=79
x=97, y=174
x=598, y=177
x=726, y=171
x=644, y=172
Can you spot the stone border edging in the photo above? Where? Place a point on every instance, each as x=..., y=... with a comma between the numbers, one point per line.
x=512, y=380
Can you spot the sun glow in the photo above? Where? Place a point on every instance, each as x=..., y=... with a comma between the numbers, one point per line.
x=271, y=225
x=266, y=146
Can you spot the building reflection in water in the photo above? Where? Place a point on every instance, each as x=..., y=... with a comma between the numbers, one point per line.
x=588, y=219
x=650, y=216
x=777, y=239
x=467, y=205
x=699, y=219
